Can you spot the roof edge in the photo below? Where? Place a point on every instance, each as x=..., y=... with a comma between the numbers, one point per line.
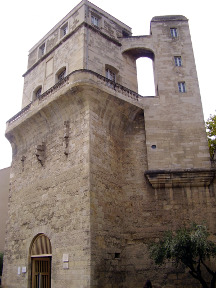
x=169, y=18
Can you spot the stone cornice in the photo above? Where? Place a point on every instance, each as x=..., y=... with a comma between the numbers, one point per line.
x=180, y=178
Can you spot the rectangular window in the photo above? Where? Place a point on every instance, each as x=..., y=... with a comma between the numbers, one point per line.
x=42, y=50
x=178, y=61
x=38, y=92
x=110, y=75
x=95, y=20
x=64, y=30
x=174, y=32
x=181, y=87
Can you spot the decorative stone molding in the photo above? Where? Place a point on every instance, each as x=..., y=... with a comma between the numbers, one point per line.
x=180, y=178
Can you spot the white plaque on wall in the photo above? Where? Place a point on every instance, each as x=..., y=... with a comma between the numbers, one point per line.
x=65, y=258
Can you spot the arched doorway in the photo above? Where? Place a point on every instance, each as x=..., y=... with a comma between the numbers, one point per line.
x=41, y=255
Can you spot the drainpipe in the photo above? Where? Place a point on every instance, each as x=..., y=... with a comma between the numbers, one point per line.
x=87, y=38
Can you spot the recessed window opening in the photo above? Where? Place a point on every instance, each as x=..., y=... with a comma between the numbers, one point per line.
x=117, y=255
x=37, y=92
x=110, y=75
x=174, y=32
x=181, y=87
x=145, y=76
x=64, y=30
x=61, y=74
x=42, y=50
x=94, y=20
x=178, y=61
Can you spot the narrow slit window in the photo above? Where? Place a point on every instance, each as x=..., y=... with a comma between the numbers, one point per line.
x=42, y=50
x=174, y=32
x=178, y=61
x=181, y=87
x=64, y=30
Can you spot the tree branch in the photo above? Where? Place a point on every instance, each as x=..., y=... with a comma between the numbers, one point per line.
x=207, y=268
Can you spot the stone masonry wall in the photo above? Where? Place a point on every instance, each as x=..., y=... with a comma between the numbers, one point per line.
x=54, y=198
x=102, y=52
x=70, y=55
x=126, y=212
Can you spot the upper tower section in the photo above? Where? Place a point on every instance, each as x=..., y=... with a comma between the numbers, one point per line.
x=89, y=49
x=67, y=47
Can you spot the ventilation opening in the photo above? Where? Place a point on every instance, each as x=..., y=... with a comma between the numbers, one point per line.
x=145, y=76
x=117, y=255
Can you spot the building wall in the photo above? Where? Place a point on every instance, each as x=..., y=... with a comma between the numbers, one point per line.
x=4, y=191
x=127, y=213
x=53, y=195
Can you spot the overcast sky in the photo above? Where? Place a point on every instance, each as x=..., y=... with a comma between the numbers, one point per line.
x=25, y=22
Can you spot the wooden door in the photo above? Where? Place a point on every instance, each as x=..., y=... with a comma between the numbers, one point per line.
x=41, y=272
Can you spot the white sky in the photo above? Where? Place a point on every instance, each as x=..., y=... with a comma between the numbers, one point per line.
x=25, y=22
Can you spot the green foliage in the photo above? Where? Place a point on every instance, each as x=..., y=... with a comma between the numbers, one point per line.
x=188, y=246
x=211, y=134
x=1, y=263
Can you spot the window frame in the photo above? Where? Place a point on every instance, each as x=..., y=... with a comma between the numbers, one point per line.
x=174, y=32
x=42, y=50
x=37, y=92
x=64, y=30
x=178, y=61
x=181, y=87
x=110, y=74
x=95, y=20
x=61, y=74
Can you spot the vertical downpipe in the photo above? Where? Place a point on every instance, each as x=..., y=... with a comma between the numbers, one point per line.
x=87, y=38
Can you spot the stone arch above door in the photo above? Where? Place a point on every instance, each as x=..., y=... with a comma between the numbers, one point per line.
x=41, y=245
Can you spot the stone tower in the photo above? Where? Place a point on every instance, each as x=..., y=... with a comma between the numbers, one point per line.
x=98, y=171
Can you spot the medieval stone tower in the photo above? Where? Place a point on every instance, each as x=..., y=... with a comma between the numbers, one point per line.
x=98, y=171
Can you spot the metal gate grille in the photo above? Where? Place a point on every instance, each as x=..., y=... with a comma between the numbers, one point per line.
x=41, y=272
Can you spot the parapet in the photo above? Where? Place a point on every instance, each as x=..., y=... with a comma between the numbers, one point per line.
x=169, y=18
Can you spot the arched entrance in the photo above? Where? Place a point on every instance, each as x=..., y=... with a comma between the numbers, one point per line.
x=144, y=61
x=41, y=255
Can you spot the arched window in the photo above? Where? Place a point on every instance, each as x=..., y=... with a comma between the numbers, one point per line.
x=37, y=92
x=145, y=76
x=41, y=253
x=61, y=74
x=111, y=73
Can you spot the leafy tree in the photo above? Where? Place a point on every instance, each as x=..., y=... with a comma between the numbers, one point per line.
x=211, y=134
x=190, y=247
